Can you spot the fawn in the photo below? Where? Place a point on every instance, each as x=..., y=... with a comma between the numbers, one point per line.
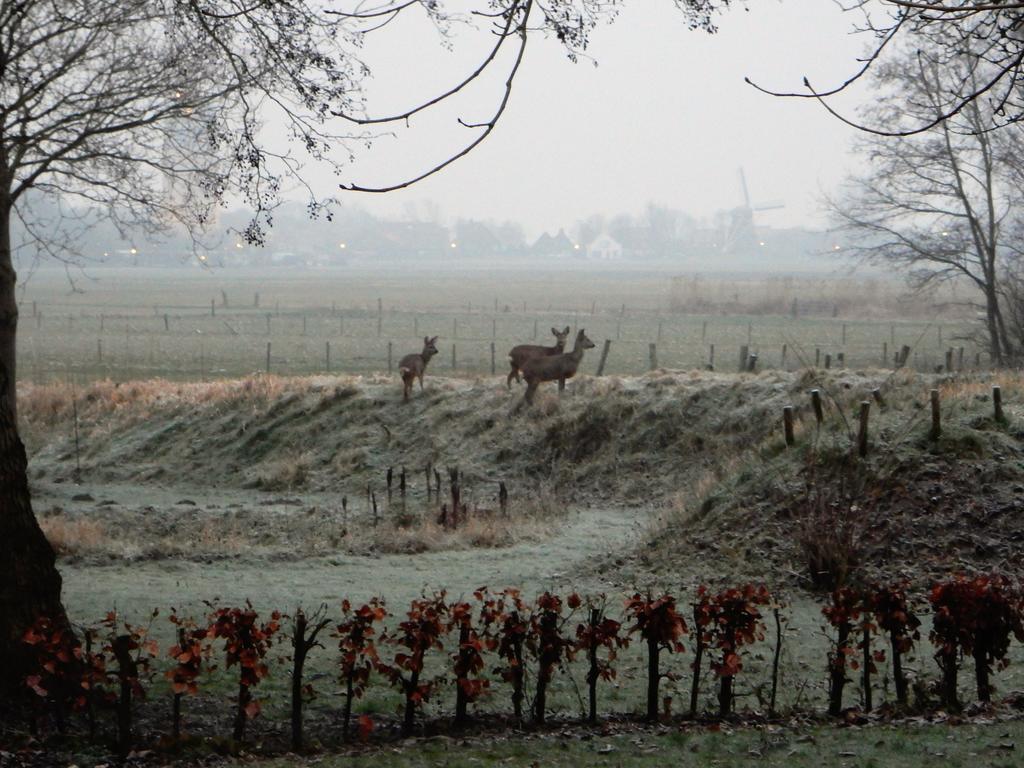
x=555, y=367
x=411, y=367
x=519, y=355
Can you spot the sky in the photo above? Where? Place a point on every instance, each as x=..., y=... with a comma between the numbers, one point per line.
x=660, y=114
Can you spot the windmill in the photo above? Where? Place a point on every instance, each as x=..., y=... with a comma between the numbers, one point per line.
x=738, y=223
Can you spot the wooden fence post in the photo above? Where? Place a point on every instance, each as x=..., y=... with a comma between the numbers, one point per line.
x=389, y=357
x=949, y=360
x=744, y=354
x=885, y=353
x=652, y=349
x=828, y=361
x=819, y=414
x=704, y=331
x=752, y=362
x=213, y=307
x=936, y=416
x=841, y=359
x=711, y=357
x=494, y=368
x=784, y=350
x=844, y=334
x=167, y=322
x=862, y=431
x=268, y=357
x=787, y=423
x=817, y=357
x=960, y=358
x=327, y=356
x=453, y=357
x=604, y=357
x=997, y=402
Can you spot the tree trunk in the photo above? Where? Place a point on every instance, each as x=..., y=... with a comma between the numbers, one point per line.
x=981, y=672
x=948, y=663
x=837, y=671
x=899, y=679
x=409, y=719
x=653, y=679
x=461, y=697
x=29, y=581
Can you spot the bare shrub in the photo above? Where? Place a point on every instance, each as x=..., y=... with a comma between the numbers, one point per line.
x=828, y=532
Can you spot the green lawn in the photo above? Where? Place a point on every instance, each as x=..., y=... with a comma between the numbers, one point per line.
x=995, y=744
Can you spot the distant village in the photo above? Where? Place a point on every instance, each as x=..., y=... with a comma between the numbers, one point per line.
x=353, y=238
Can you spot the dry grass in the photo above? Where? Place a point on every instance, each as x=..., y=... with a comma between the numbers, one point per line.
x=285, y=473
x=70, y=537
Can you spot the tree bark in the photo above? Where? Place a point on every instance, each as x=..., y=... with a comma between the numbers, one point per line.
x=30, y=584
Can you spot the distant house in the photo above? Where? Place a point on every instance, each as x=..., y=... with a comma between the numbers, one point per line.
x=474, y=238
x=558, y=245
x=604, y=248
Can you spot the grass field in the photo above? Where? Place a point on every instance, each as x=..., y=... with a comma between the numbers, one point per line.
x=161, y=494
x=128, y=324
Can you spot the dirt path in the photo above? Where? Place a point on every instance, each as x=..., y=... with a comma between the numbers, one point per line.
x=134, y=589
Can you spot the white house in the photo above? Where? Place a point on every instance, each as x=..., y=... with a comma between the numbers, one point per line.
x=604, y=248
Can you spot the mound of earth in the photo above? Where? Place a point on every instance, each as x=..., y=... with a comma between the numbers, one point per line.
x=703, y=452
x=915, y=508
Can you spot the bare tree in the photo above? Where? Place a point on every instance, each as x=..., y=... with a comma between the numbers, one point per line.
x=989, y=33
x=937, y=205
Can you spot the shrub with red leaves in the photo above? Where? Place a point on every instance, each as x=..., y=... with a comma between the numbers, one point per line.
x=133, y=651
x=468, y=658
x=423, y=628
x=598, y=632
x=188, y=654
x=355, y=634
x=548, y=643
x=510, y=617
x=843, y=612
x=246, y=643
x=974, y=617
x=57, y=679
x=662, y=628
x=892, y=613
x=735, y=621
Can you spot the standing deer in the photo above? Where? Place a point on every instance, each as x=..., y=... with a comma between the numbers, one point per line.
x=519, y=355
x=554, y=367
x=411, y=367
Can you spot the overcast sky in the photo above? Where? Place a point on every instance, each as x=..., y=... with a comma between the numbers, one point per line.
x=665, y=117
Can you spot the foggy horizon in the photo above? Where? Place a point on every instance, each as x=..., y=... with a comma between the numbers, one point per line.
x=674, y=133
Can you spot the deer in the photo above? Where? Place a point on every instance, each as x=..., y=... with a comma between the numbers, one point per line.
x=411, y=367
x=518, y=356
x=554, y=367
